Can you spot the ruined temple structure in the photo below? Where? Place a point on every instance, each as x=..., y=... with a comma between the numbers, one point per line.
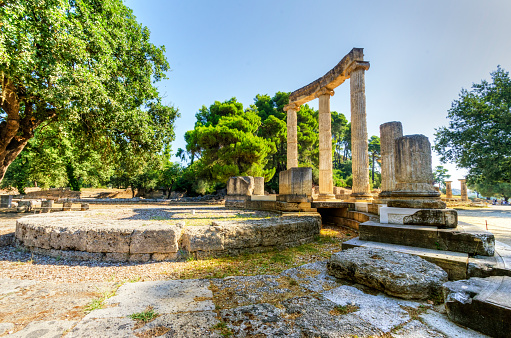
x=352, y=67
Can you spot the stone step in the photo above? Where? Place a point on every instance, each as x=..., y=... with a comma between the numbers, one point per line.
x=350, y=223
x=473, y=242
x=454, y=263
x=497, y=265
x=483, y=304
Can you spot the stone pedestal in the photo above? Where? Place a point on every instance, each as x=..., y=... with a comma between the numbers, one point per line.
x=239, y=190
x=448, y=189
x=292, y=136
x=414, y=176
x=359, y=155
x=464, y=192
x=325, y=146
x=258, y=186
x=5, y=201
x=46, y=205
x=295, y=185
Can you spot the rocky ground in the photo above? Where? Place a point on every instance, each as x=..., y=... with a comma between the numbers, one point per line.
x=45, y=297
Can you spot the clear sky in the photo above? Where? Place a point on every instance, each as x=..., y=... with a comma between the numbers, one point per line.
x=422, y=53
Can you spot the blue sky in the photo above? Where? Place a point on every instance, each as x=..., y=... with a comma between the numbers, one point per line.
x=422, y=53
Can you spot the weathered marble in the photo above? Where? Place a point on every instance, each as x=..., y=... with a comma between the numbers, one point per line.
x=325, y=145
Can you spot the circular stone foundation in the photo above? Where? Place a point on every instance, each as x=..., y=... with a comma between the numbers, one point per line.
x=166, y=233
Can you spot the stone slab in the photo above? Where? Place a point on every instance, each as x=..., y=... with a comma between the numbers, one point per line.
x=263, y=197
x=474, y=242
x=361, y=206
x=483, y=304
x=395, y=215
x=454, y=263
x=397, y=274
x=44, y=329
x=442, y=324
x=6, y=328
x=104, y=327
x=171, y=296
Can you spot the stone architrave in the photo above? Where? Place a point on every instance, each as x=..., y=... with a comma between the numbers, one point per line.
x=359, y=146
x=240, y=185
x=325, y=145
x=414, y=176
x=389, y=132
x=448, y=189
x=464, y=192
x=258, y=186
x=292, y=135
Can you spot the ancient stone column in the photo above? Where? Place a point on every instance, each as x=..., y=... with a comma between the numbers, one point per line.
x=389, y=132
x=258, y=186
x=359, y=155
x=464, y=192
x=325, y=145
x=414, y=176
x=292, y=135
x=448, y=189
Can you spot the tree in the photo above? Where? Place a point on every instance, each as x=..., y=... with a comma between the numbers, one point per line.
x=340, y=127
x=225, y=139
x=439, y=176
x=88, y=63
x=169, y=176
x=478, y=136
x=374, y=153
x=308, y=136
x=491, y=189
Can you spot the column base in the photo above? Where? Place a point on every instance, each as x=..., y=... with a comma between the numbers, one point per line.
x=362, y=197
x=325, y=197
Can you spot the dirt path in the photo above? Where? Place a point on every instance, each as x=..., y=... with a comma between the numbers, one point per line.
x=498, y=218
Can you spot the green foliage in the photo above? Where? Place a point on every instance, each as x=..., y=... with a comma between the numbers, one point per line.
x=440, y=174
x=374, y=155
x=308, y=136
x=85, y=64
x=341, y=134
x=491, y=189
x=478, y=135
x=145, y=316
x=226, y=142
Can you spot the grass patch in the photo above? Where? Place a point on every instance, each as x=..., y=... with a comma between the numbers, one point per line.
x=145, y=317
x=271, y=262
x=222, y=328
x=341, y=310
x=98, y=303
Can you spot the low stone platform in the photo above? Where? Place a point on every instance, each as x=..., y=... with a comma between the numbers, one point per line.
x=483, y=304
x=474, y=242
x=89, y=236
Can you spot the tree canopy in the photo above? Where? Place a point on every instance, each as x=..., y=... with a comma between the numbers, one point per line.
x=85, y=64
x=478, y=136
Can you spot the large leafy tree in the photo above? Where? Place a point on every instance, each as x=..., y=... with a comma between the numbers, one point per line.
x=226, y=144
x=440, y=174
x=478, y=136
x=374, y=150
x=86, y=63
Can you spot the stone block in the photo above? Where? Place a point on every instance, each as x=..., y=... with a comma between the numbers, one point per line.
x=296, y=181
x=161, y=238
x=5, y=201
x=397, y=274
x=447, y=218
x=116, y=257
x=139, y=258
x=240, y=185
x=165, y=257
x=84, y=206
x=239, y=235
x=109, y=239
x=471, y=242
x=25, y=206
x=66, y=206
x=69, y=238
x=393, y=215
x=258, y=186
x=46, y=205
x=202, y=238
x=482, y=304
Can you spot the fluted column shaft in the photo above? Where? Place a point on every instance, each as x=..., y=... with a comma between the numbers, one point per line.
x=448, y=189
x=464, y=192
x=389, y=132
x=292, y=137
x=325, y=145
x=359, y=149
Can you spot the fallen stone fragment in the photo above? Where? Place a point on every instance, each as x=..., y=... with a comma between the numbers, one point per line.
x=483, y=304
x=397, y=274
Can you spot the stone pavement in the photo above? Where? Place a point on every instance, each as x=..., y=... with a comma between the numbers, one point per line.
x=299, y=302
x=497, y=216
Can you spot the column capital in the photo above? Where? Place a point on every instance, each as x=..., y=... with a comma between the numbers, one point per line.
x=462, y=179
x=324, y=91
x=355, y=65
x=294, y=106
